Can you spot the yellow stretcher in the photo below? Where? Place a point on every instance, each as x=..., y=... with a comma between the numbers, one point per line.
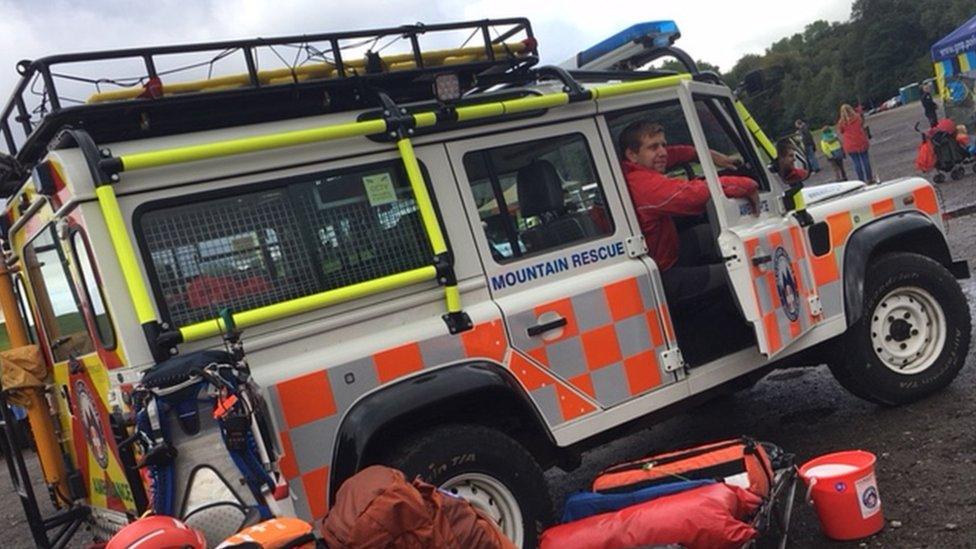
x=390, y=63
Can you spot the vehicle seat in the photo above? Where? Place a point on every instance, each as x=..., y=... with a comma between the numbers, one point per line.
x=540, y=194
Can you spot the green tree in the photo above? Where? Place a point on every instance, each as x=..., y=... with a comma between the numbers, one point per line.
x=882, y=47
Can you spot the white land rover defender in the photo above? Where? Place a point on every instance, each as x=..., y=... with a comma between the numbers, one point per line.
x=433, y=259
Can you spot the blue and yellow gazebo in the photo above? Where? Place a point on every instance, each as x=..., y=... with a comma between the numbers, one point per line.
x=955, y=54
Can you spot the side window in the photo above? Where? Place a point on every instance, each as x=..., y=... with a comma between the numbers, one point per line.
x=295, y=237
x=25, y=309
x=537, y=195
x=57, y=303
x=721, y=133
x=93, y=290
x=724, y=134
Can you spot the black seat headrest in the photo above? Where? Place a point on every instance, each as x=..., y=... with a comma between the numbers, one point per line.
x=540, y=189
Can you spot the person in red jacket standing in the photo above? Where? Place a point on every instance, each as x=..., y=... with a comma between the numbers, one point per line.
x=646, y=159
x=855, y=141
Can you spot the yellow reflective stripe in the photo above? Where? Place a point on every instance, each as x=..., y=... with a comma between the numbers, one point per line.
x=300, y=305
x=623, y=88
x=126, y=254
x=755, y=130
x=178, y=155
x=421, y=196
x=453, y=298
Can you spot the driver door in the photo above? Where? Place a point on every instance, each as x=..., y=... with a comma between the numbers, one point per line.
x=765, y=253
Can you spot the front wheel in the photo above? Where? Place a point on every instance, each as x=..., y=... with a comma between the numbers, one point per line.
x=496, y=474
x=913, y=337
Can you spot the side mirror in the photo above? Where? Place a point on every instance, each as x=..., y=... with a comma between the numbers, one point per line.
x=754, y=82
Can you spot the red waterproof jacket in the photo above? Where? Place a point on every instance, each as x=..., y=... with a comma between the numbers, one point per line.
x=657, y=197
x=853, y=136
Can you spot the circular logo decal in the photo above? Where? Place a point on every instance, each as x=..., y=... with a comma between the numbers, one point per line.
x=789, y=295
x=91, y=420
x=870, y=497
x=840, y=486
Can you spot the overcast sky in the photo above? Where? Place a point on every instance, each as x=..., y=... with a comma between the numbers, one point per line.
x=719, y=32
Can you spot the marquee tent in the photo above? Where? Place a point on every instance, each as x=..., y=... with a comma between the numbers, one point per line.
x=955, y=54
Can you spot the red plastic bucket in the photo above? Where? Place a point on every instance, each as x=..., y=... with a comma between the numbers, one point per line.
x=844, y=492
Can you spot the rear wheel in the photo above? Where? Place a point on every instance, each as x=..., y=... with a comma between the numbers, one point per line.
x=913, y=336
x=939, y=178
x=496, y=474
x=958, y=172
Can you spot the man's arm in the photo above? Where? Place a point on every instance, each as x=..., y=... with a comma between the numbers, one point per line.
x=665, y=195
x=682, y=154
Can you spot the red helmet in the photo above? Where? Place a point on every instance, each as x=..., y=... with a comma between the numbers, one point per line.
x=157, y=532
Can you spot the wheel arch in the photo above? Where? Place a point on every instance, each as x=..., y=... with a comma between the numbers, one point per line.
x=903, y=232
x=482, y=392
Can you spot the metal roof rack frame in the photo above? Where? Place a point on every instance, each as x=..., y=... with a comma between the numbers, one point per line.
x=146, y=108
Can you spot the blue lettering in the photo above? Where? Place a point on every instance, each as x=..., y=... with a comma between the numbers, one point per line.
x=601, y=252
x=619, y=247
x=498, y=282
x=549, y=269
x=577, y=260
x=562, y=264
x=510, y=279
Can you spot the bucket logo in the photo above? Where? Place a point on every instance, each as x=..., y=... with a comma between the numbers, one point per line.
x=840, y=486
x=870, y=497
x=789, y=295
x=91, y=420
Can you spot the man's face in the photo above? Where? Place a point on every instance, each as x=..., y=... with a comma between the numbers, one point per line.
x=652, y=154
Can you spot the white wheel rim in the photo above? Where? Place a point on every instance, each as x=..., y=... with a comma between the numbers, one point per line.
x=491, y=497
x=908, y=330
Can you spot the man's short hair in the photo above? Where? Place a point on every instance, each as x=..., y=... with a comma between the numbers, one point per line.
x=784, y=146
x=633, y=134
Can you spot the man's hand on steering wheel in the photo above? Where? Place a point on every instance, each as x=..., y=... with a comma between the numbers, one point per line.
x=725, y=162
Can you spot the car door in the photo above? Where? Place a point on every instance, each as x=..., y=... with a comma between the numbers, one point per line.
x=562, y=263
x=767, y=256
x=78, y=337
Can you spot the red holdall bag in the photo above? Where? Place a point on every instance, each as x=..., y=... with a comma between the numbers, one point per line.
x=714, y=516
x=740, y=461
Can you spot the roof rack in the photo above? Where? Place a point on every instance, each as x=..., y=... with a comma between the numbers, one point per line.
x=275, y=78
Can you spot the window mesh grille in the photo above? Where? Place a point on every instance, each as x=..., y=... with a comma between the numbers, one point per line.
x=298, y=238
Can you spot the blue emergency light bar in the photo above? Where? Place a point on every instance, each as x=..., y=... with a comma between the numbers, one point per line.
x=660, y=34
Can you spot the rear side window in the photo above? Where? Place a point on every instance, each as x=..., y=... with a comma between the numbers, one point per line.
x=93, y=290
x=57, y=303
x=288, y=239
x=537, y=195
x=25, y=310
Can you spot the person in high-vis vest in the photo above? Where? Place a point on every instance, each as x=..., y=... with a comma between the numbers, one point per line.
x=834, y=151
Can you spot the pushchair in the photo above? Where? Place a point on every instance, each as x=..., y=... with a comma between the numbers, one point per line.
x=941, y=151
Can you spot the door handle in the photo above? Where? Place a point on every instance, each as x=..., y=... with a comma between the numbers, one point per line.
x=761, y=259
x=545, y=327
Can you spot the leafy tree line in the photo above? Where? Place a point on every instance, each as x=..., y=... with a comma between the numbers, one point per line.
x=885, y=45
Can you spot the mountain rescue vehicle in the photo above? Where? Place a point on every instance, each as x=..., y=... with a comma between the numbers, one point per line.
x=235, y=282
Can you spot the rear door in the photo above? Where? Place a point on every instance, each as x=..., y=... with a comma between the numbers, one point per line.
x=560, y=262
x=77, y=334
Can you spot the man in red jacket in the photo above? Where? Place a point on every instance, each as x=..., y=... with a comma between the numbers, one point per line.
x=646, y=159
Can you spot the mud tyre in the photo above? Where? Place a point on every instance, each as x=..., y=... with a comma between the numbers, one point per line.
x=939, y=178
x=913, y=336
x=489, y=469
x=958, y=173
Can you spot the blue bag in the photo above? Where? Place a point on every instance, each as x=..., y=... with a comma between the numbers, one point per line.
x=584, y=504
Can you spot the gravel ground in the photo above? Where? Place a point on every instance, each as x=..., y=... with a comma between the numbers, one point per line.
x=927, y=451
